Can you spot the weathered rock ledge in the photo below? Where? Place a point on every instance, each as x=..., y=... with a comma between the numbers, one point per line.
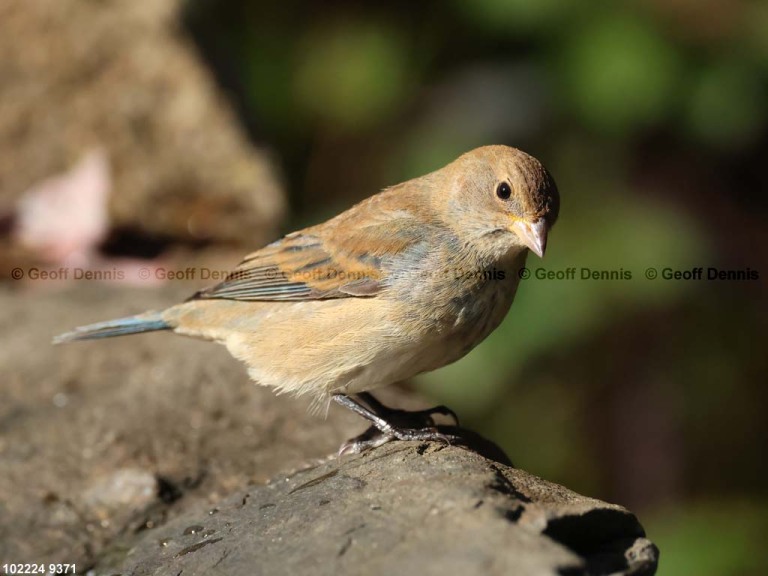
x=115, y=453
x=404, y=508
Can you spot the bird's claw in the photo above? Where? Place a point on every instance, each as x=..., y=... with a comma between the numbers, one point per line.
x=373, y=437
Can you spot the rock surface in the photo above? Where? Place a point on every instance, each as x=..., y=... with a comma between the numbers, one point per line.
x=151, y=454
x=101, y=437
x=403, y=508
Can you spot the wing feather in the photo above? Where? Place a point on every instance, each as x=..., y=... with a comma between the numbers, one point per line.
x=348, y=256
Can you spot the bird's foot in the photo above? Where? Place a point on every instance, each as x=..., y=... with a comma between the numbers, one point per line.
x=371, y=438
x=374, y=437
x=391, y=424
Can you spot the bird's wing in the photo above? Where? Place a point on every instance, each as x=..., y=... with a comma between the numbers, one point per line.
x=348, y=256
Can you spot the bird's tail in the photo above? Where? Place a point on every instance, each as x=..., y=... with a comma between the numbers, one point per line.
x=147, y=322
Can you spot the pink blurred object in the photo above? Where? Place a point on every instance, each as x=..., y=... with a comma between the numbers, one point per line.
x=64, y=218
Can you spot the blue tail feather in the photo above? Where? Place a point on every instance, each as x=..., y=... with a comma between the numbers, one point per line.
x=147, y=322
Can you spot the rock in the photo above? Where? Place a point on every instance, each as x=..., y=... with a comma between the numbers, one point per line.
x=125, y=489
x=153, y=454
x=87, y=430
x=403, y=508
x=123, y=78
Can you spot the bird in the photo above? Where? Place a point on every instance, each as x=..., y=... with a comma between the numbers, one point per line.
x=404, y=282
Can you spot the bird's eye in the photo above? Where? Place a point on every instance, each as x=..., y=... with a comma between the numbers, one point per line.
x=503, y=191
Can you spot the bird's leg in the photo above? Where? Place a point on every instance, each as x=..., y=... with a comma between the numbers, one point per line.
x=383, y=430
x=367, y=413
x=385, y=411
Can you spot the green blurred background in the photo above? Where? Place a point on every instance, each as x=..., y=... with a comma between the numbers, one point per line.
x=653, y=117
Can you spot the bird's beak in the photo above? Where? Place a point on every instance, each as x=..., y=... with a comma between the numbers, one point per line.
x=533, y=235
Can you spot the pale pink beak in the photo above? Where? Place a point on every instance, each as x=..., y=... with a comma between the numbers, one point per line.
x=533, y=235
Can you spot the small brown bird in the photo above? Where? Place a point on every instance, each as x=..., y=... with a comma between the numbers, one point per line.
x=406, y=281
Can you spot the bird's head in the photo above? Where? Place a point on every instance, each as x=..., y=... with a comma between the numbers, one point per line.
x=500, y=200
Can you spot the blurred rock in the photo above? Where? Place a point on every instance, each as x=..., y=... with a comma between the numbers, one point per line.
x=125, y=489
x=122, y=76
x=403, y=508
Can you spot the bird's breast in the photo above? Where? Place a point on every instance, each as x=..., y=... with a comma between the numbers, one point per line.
x=458, y=309
x=473, y=315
